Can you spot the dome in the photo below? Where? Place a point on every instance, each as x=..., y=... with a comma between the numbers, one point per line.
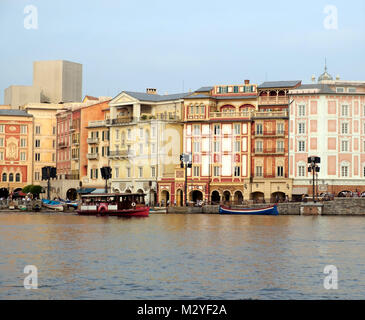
x=325, y=75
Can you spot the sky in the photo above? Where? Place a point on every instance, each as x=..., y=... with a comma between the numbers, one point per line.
x=177, y=46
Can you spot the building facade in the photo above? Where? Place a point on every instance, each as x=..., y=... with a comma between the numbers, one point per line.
x=327, y=119
x=16, y=150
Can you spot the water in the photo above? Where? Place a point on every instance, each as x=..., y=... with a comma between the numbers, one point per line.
x=181, y=256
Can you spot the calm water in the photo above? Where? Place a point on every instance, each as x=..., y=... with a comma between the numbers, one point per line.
x=181, y=256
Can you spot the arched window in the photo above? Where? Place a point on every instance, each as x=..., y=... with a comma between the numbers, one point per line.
x=11, y=177
x=17, y=177
x=4, y=176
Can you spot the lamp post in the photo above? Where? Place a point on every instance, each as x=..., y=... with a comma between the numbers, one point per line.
x=49, y=173
x=185, y=162
x=314, y=168
x=106, y=173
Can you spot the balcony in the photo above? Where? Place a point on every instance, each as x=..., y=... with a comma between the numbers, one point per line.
x=268, y=151
x=271, y=114
x=97, y=123
x=75, y=157
x=75, y=142
x=269, y=134
x=92, y=140
x=92, y=156
x=121, y=120
x=273, y=100
x=119, y=154
x=72, y=127
x=230, y=115
x=62, y=145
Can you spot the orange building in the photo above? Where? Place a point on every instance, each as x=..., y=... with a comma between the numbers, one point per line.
x=270, y=152
x=16, y=150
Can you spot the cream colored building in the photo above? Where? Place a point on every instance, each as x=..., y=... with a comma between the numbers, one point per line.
x=145, y=140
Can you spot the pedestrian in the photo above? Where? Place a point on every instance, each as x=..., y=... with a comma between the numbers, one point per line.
x=167, y=203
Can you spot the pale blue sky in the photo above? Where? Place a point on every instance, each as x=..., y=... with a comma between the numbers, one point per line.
x=131, y=45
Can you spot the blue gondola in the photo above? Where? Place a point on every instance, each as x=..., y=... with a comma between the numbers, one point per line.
x=271, y=210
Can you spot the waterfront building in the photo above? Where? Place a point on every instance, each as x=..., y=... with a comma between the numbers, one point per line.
x=16, y=150
x=217, y=134
x=145, y=140
x=270, y=151
x=327, y=119
x=43, y=138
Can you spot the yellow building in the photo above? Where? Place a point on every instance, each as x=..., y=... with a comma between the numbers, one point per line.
x=145, y=140
x=43, y=137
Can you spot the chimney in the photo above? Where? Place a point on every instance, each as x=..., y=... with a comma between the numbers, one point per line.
x=247, y=81
x=151, y=91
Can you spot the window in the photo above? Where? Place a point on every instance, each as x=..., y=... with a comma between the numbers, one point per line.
x=117, y=134
x=38, y=143
x=259, y=128
x=129, y=133
x=17, y=177
x=38, y=130
x=344, y=171
x=36, y=176
x=116, y=172
x=351, y=90
x=280, y=128
x=344, y=145
x=196, y=146
x=1, y=155
x=237, y=171
x=153, y=147
x=141, y=148
x=301, y=146
x=340, y=90
x=23, y=129
x=153, y=172
x=140, y=171
x=345, y=110
x=237, y=128
x=37, y=157
x=280, y=146
x=53, y=157
x=217, y=129
x=53, y=130
x=53, y=143
x=280, y=171
x=128, y=172
x=216, y=146
x=345, y=128
x=2, y=128
x=259, y=145
x=196, y=130
x=4, y=177
x=301, y=171
x=301, y=128
x=23, y=143
x=258, y=171
x=153, y=131
x=237, y=146
x=23, y=156
x=141, y=132
x=301, y=110
x=11, y=177
x=1, y=142
x=216, y=171
x=196, y=171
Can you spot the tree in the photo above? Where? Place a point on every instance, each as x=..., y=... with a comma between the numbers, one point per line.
x=35, y=190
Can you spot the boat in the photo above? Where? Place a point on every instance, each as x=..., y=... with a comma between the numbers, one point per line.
x=270, y=210
x=114, y=204
x=69, y=203
x=52, y=204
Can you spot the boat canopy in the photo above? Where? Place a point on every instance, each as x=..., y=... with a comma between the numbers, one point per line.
x=96, y=195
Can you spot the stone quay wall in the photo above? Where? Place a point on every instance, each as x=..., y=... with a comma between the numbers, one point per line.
x=338, y=207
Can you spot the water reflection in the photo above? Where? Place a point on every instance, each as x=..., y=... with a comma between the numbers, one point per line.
x=181, y=256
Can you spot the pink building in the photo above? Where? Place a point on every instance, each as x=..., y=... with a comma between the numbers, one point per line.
x=327, y=119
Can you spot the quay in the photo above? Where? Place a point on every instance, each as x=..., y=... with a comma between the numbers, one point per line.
x=336, y=207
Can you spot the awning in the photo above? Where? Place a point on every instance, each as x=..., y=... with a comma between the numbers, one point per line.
x=99, y=191
x=85, y=190
x=298, y=190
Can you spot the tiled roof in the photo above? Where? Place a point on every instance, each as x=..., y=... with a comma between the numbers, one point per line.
x=279, y=84
x=155, y=97
x=319, y=88
x=235, y=97
x=198, y=96
x=204, y=89
x=12, y=112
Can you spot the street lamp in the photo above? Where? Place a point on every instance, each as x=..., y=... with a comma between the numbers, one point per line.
x=314, y=168
x=49, y=173
x=106, y=173
x=185, y=162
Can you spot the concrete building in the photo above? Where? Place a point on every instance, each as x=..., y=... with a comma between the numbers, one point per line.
x=16, y=96
x=59, y=80
x=54, y=81
x=16, y=150
x=327, y=119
